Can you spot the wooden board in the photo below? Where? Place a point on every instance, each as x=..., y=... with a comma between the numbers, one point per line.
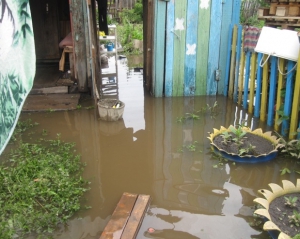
x=50, y=90
x=127, y=217
x=214, y=46
x=159, y=46
x=136, y=217
x=52, y=102
x=202, y=48
x=179, y=47
x=191, y=46
x=169, y=48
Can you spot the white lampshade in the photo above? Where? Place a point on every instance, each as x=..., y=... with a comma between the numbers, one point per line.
x=281, y=43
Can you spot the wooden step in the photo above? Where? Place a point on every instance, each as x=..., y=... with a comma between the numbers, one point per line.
x=51, y=102
x=127, y=217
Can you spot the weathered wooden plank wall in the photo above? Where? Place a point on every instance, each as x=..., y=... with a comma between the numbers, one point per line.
x=78, y=33
x=194, y=46
x=127, y=4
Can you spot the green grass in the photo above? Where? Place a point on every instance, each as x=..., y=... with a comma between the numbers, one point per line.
x=40, y=187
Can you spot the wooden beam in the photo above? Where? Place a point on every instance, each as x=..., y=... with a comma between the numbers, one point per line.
x=136, y=217
x=127, y=217
x=120, y=216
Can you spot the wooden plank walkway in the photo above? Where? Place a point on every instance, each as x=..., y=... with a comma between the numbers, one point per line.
x=127, y=217
x=51, y=102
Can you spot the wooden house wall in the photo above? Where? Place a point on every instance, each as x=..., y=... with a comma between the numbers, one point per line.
x=85, y=42
x=192, y=35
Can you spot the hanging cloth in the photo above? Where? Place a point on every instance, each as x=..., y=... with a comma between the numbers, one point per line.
x=251, y=36
x=102, y=15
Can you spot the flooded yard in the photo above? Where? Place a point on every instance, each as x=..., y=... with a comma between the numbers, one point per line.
x=194, y=194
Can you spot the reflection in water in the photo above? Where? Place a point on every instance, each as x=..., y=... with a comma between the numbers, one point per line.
x=191, y=197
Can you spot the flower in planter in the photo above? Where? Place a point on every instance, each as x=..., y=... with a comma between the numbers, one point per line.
x=240, y=144
x=281, y=209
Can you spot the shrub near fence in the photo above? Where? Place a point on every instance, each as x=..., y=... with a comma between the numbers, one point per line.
x=264, y=91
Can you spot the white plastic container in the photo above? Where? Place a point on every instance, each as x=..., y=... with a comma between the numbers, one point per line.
x=280, y=43
x=107, y=111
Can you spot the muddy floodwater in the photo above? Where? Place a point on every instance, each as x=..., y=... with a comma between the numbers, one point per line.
x=194, y=195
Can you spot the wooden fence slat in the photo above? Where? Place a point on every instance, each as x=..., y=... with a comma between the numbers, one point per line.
x=296, y=104
x=279, y=88
x=226, y=25
x=288, y=97
x=228, y=61
x=202, y=48
x=214, y=46
x=252, y=81
x=179, y=47
x=258, y=85
x=159, y=46
x=241, y=73
x=169, y=48
x=246, y=81
x=191, y=46
x=263, y=108
x=237, y=62
x=272, y=91
x=136, y=217
x=232, y=62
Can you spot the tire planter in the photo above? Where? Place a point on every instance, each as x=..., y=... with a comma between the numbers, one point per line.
x=277, y=191
x=257, y=137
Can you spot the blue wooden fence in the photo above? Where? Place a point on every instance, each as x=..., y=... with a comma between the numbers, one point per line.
x=190, y=46
x=270, y=92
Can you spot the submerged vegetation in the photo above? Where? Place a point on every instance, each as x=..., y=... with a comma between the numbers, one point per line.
x=212, y=110
x=40, y=186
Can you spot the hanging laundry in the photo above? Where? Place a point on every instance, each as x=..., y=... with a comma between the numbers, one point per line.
x=251, y=36
x=102, y=14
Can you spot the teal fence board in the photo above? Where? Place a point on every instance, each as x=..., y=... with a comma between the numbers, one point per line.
x=191, y=45
x=169, y=48
x=159, y=47
x=226, y=21
x=214, y=46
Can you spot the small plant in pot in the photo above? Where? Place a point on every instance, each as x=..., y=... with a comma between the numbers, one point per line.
x=241, y=144
x=281, y=209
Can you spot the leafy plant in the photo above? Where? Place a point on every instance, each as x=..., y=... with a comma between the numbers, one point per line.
x=284, y=171
x=40, y=186
x=295, y=219
x=249, y=150
x=196, y=115
x=190, y=147
x=290, y=148
x=226, y=137
x=291, y=201
x=239, y=134
x=282, y=117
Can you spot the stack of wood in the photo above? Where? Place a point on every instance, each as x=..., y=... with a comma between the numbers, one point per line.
x=281, y=13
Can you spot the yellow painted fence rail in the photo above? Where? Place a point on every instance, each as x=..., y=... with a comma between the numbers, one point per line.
x=270, y=91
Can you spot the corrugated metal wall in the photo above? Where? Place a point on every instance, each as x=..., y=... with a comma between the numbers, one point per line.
x=190, y=45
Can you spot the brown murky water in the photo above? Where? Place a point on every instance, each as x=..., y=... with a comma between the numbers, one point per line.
x=191, y=196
